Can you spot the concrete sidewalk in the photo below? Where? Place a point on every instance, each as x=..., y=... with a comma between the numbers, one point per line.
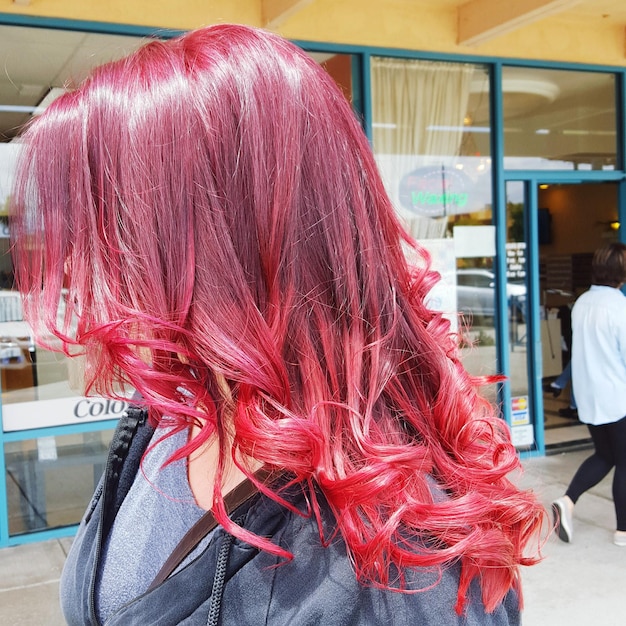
x=29, y=583
x=577, y=584
x=583, y=582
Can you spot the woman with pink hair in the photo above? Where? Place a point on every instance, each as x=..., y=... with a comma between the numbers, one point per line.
x=210, y=212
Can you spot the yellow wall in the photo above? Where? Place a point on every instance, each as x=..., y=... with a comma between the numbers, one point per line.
x=416, y=26
x=386, y=23
x=175, y=14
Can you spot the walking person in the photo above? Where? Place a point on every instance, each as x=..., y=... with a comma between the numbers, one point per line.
x=599, y=373
x=556, y=388
x=564, y=379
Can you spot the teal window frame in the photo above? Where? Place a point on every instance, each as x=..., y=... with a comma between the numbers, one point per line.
x=361, y=58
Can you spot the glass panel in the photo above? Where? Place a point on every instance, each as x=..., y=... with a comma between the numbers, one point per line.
x=39, y=387
x=516, y=288
x=50, y=480
x=34, y=73
x=339, y=66
x=559, y=119
x=431, y=141
x=522, y=421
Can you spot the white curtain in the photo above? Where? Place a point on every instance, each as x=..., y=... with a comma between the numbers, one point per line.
x=419, y=109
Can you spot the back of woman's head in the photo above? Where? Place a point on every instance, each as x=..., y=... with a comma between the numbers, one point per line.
x=218, y=183
x=608, y=266
x=210, y=212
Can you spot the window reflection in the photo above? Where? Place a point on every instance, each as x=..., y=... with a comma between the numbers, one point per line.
x=50, y=480
x=431, y=128
x=559, y=119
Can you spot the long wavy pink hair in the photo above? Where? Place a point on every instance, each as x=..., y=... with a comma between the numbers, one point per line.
x=210, y=213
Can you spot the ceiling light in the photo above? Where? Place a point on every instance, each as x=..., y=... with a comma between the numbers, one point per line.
x=16, y=108
x=456, y=129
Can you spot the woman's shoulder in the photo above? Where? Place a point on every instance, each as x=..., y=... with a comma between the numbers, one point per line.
x=319, y=584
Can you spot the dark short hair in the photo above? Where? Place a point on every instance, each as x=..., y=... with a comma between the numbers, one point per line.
x=608, y=266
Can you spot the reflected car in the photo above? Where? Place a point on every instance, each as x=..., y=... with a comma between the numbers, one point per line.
x=476, y=294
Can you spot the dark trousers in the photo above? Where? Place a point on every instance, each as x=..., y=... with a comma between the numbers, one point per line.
x=609, y=441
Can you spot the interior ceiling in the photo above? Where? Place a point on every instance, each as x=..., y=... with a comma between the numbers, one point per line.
x=36, y=60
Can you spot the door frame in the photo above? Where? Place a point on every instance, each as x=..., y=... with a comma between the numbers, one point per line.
x=534, y=363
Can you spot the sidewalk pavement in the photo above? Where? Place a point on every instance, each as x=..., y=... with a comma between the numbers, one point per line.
x=583, y=582
x=577, y=584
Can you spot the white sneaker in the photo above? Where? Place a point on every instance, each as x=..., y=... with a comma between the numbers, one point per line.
x=619, y=538
x=563, y=525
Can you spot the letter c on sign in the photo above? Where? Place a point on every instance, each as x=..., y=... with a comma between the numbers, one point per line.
x=78, y=411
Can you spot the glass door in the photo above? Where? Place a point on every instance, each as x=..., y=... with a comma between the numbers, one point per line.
x=522, y=317
x=574, y=221
x=552, y=231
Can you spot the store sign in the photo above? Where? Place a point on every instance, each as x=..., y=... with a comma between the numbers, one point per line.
x=435, y=191
x=442, y=296
x=59, y=412
x=522, y=431
x=516, y=260
x=523, y=436
x=520, y=410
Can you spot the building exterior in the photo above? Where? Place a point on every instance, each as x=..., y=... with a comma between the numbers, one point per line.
x=499, y=130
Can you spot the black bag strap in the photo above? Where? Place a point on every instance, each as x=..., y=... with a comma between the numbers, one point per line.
x=115, y=485
x=233, y=500
x=125, y=452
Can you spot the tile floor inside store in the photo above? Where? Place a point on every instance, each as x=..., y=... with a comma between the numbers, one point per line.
x=562, y=432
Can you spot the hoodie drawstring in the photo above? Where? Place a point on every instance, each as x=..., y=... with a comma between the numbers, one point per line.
x=219, y=580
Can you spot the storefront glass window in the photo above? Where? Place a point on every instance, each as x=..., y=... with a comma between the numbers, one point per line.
x=559, y=119
x=431, y=136
x=49, y=480
x=39, y=387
